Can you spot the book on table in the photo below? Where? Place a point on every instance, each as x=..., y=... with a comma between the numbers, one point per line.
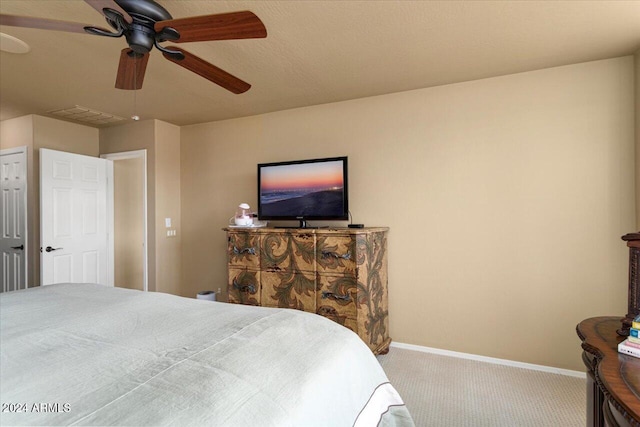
x=633, y=339
x=625, y=348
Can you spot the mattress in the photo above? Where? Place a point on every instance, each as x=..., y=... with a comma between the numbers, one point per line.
x=82, y=354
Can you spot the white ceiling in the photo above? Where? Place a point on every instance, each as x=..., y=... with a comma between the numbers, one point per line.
x=315, y=52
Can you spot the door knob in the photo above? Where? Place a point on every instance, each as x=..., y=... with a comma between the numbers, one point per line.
x=21, y=247
x=50, y=249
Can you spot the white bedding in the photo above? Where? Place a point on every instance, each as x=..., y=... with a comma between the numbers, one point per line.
x=91, y=355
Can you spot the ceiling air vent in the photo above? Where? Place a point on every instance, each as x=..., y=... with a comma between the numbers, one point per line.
x=86, y=115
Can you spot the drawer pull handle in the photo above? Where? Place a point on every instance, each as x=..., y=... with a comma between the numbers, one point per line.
x=327, y=311
x=250, y=251
x=244, y=288
x=327, y=294
x=327, y=254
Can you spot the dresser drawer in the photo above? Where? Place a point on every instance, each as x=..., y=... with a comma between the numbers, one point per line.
x=244, y=286
x=336, y=254
x=331, y=314
x=288, y=251
x=337, y=293
x=243, y=250
x=289, y=290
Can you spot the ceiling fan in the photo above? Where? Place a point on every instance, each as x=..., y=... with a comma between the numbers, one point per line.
x=145, y=24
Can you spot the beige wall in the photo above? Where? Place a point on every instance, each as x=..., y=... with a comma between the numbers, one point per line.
x=128, y=218
x=16, y=132
x=168, y=251
x=637, y=118
x=38, y=132
x=162, y=142
x=506, y=199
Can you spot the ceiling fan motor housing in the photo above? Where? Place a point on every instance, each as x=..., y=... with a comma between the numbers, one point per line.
x=140, y=38
x=140, y=34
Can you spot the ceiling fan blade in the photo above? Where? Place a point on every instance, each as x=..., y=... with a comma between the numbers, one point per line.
x=131, y=70
x=222, y=26
x=208, y=71
x=41, y=23
x=100, y=5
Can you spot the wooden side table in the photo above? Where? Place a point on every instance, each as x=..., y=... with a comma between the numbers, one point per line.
x=613, y=379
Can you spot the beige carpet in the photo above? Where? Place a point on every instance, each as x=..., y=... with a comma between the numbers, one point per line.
x=448, y=391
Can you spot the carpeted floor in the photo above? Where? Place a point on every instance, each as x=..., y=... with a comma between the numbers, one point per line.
x=448, y=391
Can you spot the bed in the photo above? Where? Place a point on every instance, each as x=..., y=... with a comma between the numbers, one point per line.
x=82, y=354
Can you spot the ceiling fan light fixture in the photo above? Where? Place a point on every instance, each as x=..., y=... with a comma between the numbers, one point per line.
x=12, y=44
x=135, y=117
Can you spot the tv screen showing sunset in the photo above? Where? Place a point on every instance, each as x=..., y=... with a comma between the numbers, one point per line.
x=302, y=190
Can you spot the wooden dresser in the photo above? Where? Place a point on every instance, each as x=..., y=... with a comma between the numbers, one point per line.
x=338, y=273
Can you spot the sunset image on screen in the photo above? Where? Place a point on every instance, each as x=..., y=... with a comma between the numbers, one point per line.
x=309, y=176
x=303, y=189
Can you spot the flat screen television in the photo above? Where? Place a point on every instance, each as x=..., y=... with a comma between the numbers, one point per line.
x=303, y=190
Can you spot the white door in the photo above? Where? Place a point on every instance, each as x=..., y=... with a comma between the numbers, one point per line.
x=75, y=199
x=13, y=218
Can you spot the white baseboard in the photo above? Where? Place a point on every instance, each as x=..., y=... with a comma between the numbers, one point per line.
x=493, y=360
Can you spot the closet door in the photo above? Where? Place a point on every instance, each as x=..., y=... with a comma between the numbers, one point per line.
x=13, y=218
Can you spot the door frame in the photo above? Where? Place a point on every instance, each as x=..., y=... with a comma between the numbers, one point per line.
x=145, y=250
x=25, y=153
